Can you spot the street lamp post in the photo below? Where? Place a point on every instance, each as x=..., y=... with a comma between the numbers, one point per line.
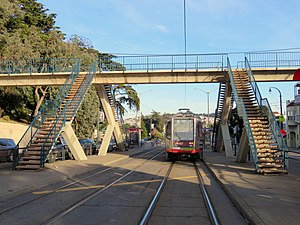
x=280, y=102
x=207, y=93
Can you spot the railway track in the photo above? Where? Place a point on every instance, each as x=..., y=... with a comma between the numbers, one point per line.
x=27, y=200
x=167, y=200
x=121, y=194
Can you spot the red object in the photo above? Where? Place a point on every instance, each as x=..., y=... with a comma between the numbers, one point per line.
x=297, y=75
x=134, y=129
x=283, y=132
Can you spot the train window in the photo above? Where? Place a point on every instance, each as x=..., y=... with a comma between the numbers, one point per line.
x=168, y=130
x=183, y=130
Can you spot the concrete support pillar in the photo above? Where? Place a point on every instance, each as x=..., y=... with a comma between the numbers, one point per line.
x=243, y=148
x=110, y=118
x=75, y=147
x=106, y=140
x=226, y=140
x=223, y=139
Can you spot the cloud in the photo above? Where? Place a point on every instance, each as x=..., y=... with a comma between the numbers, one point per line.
x=161, y=28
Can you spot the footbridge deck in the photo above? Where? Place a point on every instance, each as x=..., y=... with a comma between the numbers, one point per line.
x=194, y=68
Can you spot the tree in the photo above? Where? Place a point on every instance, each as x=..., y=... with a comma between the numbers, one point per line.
x=125, y=94
x=27, y=31
x=144, y=129
x=87, y=115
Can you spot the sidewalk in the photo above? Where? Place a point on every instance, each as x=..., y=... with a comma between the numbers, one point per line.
x=17, y=182
x=262, y=199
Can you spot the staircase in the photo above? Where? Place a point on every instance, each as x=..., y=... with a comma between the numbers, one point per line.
x=268, y=151
x=218, y=114
x=43, y=132
x=117, y=114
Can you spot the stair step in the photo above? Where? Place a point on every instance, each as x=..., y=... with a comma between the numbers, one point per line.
x=267, y=151
x=272, y=171
x=34, y=157
x=269, y=160
x=270, y=165
x=268, y=155
x=29, y=162
x=28, y=167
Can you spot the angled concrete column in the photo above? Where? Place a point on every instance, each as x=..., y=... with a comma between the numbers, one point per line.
x=106, y=140
x=223, y=139
x=75, y=147
x=110, y=118
x=226, y=140
x=243, y=148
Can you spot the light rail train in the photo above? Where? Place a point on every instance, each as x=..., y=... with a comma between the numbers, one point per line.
x=184, y=136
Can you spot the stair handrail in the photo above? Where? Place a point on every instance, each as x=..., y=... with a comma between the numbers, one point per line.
x=53, y=134
x=73, y=104
x=32, y=129
x=243, y=113
x=60, y=97
x=215, y=119
x=266, y=110
x=116, y=109
x=51, y=107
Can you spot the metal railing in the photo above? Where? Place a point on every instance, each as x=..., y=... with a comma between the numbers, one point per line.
x=30, y=66
x=164, y=62
x=243, y=113
x=71, y=108
x=273, y=59
x=48, y=110
x=53, y=134
x=118, y=114
x=217, y=117
x=266, y=110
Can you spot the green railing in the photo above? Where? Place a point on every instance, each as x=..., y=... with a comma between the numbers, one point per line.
x=53, y=134
x=216, y=119
x=68, y=113
x=243, y=113
x=48, y=110
x=273, y=59
x=215, y=62
x=266, y=110
x=31, y=66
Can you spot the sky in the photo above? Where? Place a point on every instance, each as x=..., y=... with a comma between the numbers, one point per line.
x=131, y=27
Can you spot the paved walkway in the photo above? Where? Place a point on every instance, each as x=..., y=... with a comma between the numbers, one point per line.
x=272, y=200
x=263, y=199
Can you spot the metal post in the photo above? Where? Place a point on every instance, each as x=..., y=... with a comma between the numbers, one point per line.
x=207, y=109
x=280, y=103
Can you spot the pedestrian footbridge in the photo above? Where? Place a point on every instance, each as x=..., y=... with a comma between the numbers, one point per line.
x=237, y=84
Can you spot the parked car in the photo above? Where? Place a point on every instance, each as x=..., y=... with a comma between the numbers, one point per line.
x=112, y=146
x=7, y=146
x=61, y=150
x=89, y=146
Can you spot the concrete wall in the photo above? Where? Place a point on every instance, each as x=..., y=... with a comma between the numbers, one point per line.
x=12, y=130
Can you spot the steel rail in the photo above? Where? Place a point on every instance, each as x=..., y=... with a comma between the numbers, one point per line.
x=95, y=173
x=149, y=211
x=92, y=195
x=209, y=206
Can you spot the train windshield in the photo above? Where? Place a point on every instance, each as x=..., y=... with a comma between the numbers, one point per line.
x=183, y=130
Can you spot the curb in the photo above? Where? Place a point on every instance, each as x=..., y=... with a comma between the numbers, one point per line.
x=237, y=201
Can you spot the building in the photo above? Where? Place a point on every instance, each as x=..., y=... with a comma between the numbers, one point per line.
x=293, y=119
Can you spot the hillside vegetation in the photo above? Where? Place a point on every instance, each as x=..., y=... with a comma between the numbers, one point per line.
x=27, y=31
